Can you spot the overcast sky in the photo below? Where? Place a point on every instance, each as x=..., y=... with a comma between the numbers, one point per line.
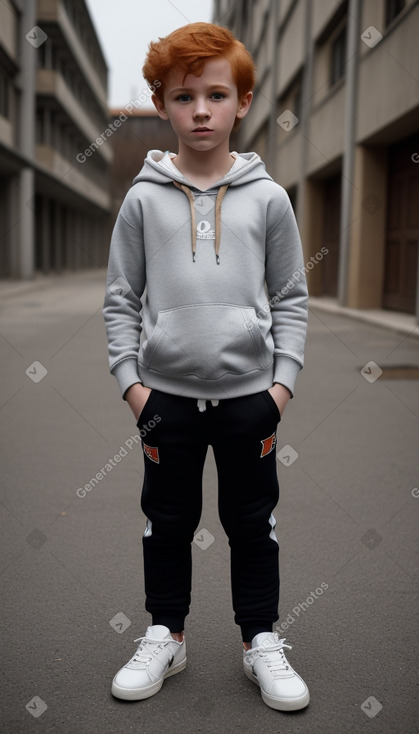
x=126, y=27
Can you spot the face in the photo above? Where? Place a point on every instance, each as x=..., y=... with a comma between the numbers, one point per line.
x=202, y=111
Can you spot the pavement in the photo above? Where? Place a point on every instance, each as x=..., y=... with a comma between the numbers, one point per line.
x=71, y=563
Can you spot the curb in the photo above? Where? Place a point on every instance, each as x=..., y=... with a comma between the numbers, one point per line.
x=16, y=288
x=399, y=323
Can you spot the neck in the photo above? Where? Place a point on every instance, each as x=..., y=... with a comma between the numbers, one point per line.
x=204, y=163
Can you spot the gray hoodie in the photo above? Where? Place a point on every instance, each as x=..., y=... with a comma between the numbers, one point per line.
x=206, y=294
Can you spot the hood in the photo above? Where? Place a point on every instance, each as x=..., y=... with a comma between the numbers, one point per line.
x=159, y=169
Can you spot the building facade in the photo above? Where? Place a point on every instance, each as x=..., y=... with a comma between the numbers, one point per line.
x=142, y=130
x=54, y=155
x=335, y=116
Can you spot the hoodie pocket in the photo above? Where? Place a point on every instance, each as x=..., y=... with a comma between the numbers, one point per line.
x=207, y=340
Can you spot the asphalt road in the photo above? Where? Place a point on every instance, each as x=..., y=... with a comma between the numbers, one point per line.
x=71, y=566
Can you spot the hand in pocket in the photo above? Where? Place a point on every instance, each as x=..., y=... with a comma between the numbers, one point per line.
x=137, y=396
x=281, y=395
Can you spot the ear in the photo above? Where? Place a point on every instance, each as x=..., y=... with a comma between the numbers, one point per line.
x=159, y=105
x=244, y=105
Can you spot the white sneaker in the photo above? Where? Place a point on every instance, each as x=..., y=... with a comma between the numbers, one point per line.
x=158, y=657
x=266, y=665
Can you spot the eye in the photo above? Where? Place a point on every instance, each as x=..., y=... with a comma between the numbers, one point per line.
x=218, y=95
x=183, y=98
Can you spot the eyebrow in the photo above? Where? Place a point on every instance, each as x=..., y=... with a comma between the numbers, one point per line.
x=190, y=89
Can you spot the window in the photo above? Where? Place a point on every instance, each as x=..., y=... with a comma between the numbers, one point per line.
x=338, y=57
x=54, y=59
x=296, y=108
x=41, y=56
x=393, y=8
x=292, y=99
x=40, y=126
x=4, y=94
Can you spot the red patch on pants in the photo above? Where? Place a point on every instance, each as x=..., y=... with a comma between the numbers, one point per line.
x=152, y=452
x=268, y=445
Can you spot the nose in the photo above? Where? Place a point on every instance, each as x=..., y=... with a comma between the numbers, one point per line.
x=201, y=109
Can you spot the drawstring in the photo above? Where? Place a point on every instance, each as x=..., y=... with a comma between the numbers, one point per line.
x=202, y=404
x=220, y=195
x=190, y=196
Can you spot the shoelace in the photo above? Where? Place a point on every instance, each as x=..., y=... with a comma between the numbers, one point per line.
x=145, y=657
x=273, y=655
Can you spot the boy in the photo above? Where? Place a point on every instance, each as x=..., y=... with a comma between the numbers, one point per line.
x=200, y=235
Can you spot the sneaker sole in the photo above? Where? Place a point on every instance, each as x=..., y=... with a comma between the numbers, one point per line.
x=279, y=703
x=138, y=694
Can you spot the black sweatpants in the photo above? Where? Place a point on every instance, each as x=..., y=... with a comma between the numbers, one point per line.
x=242, y=432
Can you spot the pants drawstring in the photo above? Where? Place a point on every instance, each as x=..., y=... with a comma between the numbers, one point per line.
x=202, y=404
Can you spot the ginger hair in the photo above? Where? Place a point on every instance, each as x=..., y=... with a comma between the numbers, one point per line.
x=189, y=47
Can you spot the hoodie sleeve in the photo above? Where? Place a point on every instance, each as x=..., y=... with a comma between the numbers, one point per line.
x=125, y=285
x=287, y=291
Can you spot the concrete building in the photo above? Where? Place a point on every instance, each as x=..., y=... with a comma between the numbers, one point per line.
x=54, y=155
x=335, y=116
x=141, y=130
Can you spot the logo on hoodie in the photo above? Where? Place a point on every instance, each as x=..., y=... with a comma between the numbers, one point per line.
x=204, y=231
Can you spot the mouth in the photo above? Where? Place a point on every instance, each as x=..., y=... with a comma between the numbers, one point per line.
x=202, y=130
